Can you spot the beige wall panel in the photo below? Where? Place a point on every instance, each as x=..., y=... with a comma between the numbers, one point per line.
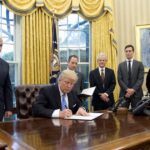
x=128, y=14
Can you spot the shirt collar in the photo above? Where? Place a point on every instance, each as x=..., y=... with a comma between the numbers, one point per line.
x=101, y=69
x=61, y=93
x=131, y=60
x=71, y=70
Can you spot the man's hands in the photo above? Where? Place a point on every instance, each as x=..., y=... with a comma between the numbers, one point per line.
x=129, y=92
x=104, y=97
x=65, y=113
x=81, y=112
x=8, y=114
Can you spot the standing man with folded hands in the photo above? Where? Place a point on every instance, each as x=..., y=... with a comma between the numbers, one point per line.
x=130, y=78
x=104, y=80
x=59, y=101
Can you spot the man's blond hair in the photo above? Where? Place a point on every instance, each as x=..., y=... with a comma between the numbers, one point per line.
x=69, y=74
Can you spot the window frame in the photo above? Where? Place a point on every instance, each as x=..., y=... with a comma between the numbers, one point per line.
x=86, y=82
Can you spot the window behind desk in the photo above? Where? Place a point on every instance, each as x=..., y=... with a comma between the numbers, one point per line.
x=74, y=40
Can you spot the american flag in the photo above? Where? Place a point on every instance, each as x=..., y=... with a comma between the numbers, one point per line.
x=55, y=64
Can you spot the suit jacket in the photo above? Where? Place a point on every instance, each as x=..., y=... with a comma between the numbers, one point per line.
x=137, y=77
x=6, y=101
x=78, y=87
x=49, y=99
x=109, y=85
x=148, y=81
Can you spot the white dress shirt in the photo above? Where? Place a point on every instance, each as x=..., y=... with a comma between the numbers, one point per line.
x=56, y=112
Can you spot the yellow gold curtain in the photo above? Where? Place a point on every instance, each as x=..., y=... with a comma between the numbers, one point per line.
x=37, y=42
x=88, y=8
x=91, y=8
x=103, y=41
x=58, y=7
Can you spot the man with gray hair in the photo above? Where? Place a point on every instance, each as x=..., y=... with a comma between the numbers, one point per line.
x=59, y=101
x=104, y=80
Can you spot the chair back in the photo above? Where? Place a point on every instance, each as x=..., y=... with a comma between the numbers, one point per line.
x=25, y=96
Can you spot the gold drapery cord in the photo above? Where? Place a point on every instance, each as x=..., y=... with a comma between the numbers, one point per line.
x=37, y=42
x=103, y=41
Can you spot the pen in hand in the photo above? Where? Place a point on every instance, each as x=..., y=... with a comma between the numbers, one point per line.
x=67, y=112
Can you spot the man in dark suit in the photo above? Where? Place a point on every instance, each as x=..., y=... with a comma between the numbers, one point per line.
x=104, y=80
x=72, y=65
x=58, y=100
x=130, y=78
x=6, y=101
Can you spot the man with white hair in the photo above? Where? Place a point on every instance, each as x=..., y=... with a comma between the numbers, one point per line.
x=104, y=80
x=59, y=101
x=6, y=100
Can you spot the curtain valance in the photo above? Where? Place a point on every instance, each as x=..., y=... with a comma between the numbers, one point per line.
x=20, y=7
x=87, y=8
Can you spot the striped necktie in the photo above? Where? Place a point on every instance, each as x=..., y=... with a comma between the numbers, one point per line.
x=102, y=74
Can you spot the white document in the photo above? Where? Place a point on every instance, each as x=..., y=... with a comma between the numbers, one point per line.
x=88, y=91
x=91, y=116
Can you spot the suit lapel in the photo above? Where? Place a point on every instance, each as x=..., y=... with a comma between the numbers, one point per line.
x=125, y=67
x=134, y=65
x=57, y=96
x=70, y=102
x=106, y=75
x=98, y=76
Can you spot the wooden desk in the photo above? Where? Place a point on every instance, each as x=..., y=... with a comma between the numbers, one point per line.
x=109, y=131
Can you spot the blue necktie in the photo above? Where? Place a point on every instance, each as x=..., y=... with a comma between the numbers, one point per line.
x=63, y=102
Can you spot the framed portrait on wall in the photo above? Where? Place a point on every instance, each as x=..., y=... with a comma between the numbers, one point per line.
x=143, y=45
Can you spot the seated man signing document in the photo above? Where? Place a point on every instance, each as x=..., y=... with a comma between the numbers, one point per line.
x=59, y=101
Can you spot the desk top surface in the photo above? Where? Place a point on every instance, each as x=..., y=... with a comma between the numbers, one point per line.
x=108, y=130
